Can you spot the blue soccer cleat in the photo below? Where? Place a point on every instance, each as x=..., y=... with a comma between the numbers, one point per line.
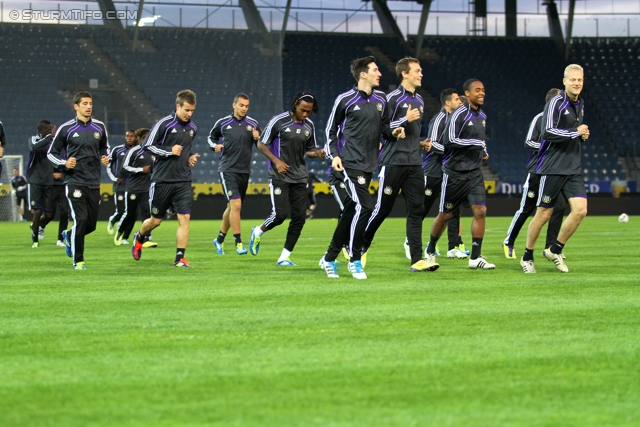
x=254, y=242
x=67, y=243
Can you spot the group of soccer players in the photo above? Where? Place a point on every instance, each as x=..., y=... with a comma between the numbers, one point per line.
x=368, y=132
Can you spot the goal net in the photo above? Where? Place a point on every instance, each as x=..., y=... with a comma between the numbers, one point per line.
x=8, y=208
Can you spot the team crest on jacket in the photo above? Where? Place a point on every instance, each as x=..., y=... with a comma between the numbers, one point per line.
x=249, y=128
x=421, y=109
x=191, y=133
x=448, y=206
x=531, y=194
x=484, y=124
x=277, y=191
x=96, y=135
x=379, y=106
x=546, y=199
x=361, y=180
x=77, y=194
x=306, y=133
x=132, y=197
x=342, y=185
x=388, y=190
x=428, y=192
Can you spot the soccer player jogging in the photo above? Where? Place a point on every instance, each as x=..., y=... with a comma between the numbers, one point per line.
x=530, y=191
x=19, y=184
x=170, y=143
x=462, y=183
x=40, y=178
x=432, y=168
x=401, y=163
x=358, y=120
x=285, y=141
x=119, y=177
x=234, y=136
x=137, y=164
x=81, y=145
x=560, y=167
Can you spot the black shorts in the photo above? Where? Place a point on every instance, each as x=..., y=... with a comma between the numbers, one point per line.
x=177, y=195
x=552, y=185
x=38, y=196
x=234, y=184
x=465, y=189
x=20, y=198
x=432, y=186
x=56, y=197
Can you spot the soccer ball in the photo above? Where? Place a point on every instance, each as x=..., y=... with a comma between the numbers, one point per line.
x=623, y=218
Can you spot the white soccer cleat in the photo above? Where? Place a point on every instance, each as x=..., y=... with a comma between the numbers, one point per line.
x=40, y=233
x=527, y=266
x=407, y=249
x=331, y=268
x=480, y=263
x=557, y=259
x=456, y=253
x=356, y=270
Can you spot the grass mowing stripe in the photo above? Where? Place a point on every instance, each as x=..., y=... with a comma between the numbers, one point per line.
x=240, y=341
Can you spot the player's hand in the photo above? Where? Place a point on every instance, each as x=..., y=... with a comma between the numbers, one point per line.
x=104, y=160
x=336, y=164
x=1, y=152
x=146, y=169
x=281, y=166
x=57, y=175
x=398, y=133
x=193, y=159
x=412, y=115
x=119, y=181
x=256, y=134
x=426, y=144
x=218, y=148
x=486, y=156
x=320, y=153
x=583, y=131
x=176, y=150
x=71, y=163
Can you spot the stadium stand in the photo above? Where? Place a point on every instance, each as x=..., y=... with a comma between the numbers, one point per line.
x=46, y=64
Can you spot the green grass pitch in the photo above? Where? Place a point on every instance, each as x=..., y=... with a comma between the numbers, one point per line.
x=238, y=341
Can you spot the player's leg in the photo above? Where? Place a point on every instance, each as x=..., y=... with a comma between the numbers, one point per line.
x=37, y=202
x=78, y=209
x=279, y=192
x=298, y=204
x=454, y=232
x=159, y=201
x=413, y=191
x=573, y=190
x=113, y=219
x=389, y=182
x=127, y=219
x=182, y=198
x=555, y=222
x=450, y=189
x=527, y=206
x=550, y=187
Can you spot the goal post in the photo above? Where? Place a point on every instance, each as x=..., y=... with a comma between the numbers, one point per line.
x=8, y=208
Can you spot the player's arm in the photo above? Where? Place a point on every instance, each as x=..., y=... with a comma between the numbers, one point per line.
x=36, y=143
x=332, y=131
x=453, y=129
x=436, y=130
x=154, y=141
x=550, y=117
x=57, y=151
x=128, y=164
x=268, y=136
x=312, y=150
x=214, y=137
x=532, y=142
x=389, y=134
